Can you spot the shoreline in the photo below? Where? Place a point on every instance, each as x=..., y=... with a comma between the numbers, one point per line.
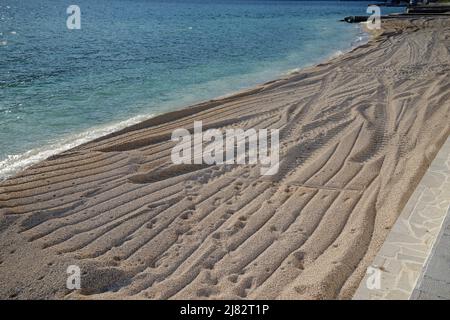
x=73, y=140
x=357, y=133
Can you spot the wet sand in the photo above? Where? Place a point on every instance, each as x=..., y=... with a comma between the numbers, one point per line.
x=356, y=135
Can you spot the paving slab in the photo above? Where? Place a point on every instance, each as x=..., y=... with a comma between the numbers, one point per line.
x=414, y=260
x=435, y=278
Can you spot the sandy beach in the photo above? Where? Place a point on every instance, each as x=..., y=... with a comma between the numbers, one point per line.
x=356, y=135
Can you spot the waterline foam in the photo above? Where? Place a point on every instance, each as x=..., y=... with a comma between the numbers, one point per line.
x=17, y=162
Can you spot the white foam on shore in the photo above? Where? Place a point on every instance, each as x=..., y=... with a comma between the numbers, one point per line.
x=17, y=162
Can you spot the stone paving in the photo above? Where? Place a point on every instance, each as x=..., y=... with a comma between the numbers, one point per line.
x=414, y=261
x=434, y=282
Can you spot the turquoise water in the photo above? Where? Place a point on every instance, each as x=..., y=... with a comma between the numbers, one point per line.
x=133, y=59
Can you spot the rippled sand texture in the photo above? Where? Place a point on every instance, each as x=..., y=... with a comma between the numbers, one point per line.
x=356, y=134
